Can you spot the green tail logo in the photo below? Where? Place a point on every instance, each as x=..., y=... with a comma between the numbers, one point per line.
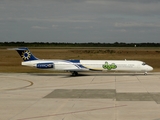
x=109, y=66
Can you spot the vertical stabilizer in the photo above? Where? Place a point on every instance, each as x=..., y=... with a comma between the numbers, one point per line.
x=25, y=54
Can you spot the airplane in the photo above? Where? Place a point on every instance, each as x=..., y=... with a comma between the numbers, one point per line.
x=75, y=66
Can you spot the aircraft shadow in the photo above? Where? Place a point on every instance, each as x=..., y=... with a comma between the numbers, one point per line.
x=87, y=74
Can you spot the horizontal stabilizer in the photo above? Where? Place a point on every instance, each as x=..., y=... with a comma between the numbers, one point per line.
x=17, y=49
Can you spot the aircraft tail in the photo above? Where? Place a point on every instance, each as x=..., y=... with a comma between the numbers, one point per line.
x=25, y=54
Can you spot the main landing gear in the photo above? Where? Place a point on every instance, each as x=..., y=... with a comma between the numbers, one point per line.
x=74, y=73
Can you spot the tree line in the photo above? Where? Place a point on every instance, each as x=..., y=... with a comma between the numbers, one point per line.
x=90, y=44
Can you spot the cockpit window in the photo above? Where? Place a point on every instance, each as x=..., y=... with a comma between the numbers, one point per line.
x=143, y=63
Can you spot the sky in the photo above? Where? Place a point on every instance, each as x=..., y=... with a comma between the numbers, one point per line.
x=80, y=21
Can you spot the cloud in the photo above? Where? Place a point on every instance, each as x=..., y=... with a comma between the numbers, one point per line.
x=91, y=20
x=138, y=1
x=54, y=26
x=126, y=7
x=72, y=20
x=134, y=24
x=39, y=27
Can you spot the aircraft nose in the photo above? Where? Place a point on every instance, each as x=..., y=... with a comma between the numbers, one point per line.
x=150, y=68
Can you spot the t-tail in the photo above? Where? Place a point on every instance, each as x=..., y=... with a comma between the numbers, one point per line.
x=25, y=54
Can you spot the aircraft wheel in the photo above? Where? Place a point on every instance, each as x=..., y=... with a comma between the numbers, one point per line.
x=145, y=73
x=74, y=73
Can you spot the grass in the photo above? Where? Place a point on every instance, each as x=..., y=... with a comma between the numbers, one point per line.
x=10, y=61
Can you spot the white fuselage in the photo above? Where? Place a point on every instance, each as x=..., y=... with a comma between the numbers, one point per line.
x=90, y=65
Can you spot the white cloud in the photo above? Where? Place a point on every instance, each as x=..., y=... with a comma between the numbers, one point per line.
x=134, y=24
x=51, y=20
x=54, y=26
x=118, y=30
x=39, y=27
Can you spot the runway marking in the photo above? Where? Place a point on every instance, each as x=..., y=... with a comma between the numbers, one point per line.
x=31, y=83
x=74, y=112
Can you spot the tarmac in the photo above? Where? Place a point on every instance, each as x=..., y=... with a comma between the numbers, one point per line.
x=89, y=96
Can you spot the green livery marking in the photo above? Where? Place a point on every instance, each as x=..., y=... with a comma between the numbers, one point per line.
x=109, y=66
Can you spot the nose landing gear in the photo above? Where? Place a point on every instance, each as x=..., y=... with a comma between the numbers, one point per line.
x=145, y=73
